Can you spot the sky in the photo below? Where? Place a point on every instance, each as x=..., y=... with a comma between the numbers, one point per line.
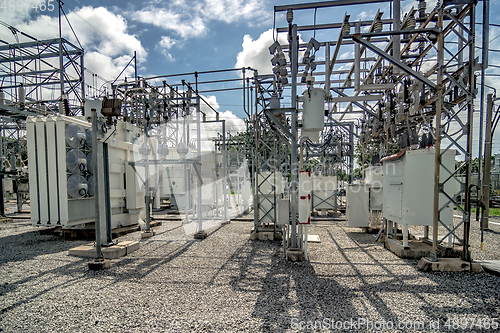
x=181, y=36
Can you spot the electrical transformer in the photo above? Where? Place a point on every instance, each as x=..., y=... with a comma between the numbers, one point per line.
x=61, y=176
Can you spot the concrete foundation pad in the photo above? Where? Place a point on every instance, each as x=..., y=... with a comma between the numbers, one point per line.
x=111, y=252
x=313, y=239
x=147, y=234
x=449, y=265
x=200, y=235
x=294, y=255
x=263, y=236
x=98, y=265
x=265, y=233
x=417, y=249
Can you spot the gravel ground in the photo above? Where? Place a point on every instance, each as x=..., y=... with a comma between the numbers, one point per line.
x=227, y=283
x=491, y=237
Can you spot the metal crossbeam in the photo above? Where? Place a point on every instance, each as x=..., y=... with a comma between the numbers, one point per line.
x=394, y=61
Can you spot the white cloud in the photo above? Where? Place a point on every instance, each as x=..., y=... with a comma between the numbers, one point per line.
x=191, y=19
x=184, y=26
x=231, y=11
x=234, y=124
x=255, y=53
x=106, y=66
x=212, y=101
x=364, y=15
x=166, y=43
x=107, y=50
x=347, y=55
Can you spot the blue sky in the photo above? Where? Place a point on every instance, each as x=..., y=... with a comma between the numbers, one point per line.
x=180, y=36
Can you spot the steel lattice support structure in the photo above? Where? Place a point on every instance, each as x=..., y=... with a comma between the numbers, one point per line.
x=38, y=78
x=447, y=97
x=412, y=84
x=270, y=152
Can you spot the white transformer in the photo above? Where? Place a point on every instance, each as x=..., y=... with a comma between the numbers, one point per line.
x=61, y=176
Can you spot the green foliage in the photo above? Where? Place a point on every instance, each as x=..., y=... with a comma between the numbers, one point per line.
x=357, y=173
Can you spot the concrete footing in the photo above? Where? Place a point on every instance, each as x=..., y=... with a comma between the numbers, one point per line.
x=111, y=252
x=449, y=265
x=147, y=234
x=99, y=264
x=200, y=235
x=417, y=249
x=294, y=255
x=266, y=233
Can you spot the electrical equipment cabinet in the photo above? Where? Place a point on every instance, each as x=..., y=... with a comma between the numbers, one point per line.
x=408, y=194
x=271, y=186
x=358, y=201
x=324, y=193
x=365, y=201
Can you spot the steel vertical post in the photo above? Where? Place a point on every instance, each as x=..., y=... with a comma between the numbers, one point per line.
x=146, y=177
x=437, y=152
x=107, y=191
x=396, y=39
x=484, y=65
x=61, y=63
x=487, y=167
x=255, y=162
x=96, y=186
x=198, y=143
x=294, y=167
x=357, y=60
x=470, y=118
x=224, y=170
x=327, y=70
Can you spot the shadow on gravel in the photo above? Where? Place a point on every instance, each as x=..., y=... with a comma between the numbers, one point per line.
x=31, y=244
x=294, y=295
x=481, y=302
x=287, y=291
x=489, y=231
x=362, y=238
x=137, y=268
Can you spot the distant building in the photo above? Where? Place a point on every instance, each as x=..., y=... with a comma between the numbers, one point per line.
x=495, y=174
